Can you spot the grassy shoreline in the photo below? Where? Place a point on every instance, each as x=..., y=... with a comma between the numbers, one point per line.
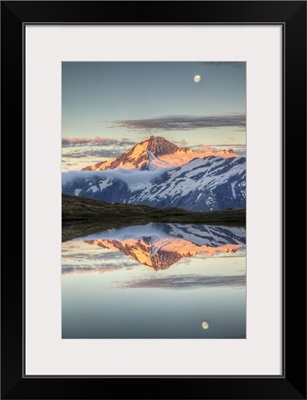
x=82, y=216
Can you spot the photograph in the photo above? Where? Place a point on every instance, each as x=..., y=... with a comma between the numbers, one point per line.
x=157, y=154
x=153, y=200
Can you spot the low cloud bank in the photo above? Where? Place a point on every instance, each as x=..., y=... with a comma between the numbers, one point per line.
x=128, y=176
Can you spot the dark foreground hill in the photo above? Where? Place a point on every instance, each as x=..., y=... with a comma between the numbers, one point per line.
x=82, y=215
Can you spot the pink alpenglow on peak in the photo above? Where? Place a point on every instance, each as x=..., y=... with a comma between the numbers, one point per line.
x=161, y=253
x=156, y=152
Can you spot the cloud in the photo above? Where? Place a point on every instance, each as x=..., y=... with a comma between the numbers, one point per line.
x=97, y=140
x=88, y=257
x=181, y=143
x=237, y=148
x=201, y=148
x=92, y=153
x=82, y=263
x=187, y=282
x=182, y=123
x=70, y=141
x=70, y=269
x=78, y=153
x=128, y=176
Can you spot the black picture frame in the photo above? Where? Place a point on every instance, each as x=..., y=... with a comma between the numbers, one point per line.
x=292, y=16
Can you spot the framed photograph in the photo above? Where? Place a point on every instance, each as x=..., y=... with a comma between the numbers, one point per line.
x=158, y=199
x=163, y=190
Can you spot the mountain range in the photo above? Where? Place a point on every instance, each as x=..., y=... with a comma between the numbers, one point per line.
x=158, y=246
x=158, y=173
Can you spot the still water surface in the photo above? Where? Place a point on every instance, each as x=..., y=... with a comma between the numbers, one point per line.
x=155, y=281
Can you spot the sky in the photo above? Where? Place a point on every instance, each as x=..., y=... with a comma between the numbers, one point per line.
x=108, y=107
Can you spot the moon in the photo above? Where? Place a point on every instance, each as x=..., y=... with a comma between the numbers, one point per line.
x=197, y=78
x=205, y=325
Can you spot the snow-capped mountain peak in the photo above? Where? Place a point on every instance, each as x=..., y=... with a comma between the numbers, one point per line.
x=158, y=173
x=156, y=152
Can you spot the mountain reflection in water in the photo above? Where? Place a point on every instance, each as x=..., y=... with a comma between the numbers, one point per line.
x=173, y=272
x=159, y=246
